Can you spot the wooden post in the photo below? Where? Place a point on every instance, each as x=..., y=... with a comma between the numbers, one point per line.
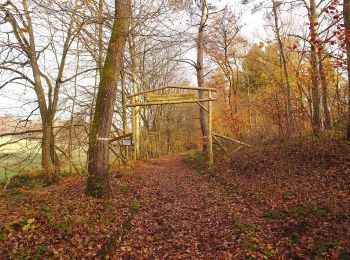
x=210, y=130
x=134, y=129
x=135, y=98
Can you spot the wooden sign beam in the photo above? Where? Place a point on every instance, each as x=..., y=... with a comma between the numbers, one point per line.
x=169, y=102
x=167, y=87
x=170, y=97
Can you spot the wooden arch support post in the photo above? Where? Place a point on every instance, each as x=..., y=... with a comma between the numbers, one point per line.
x=210, y=130
x=135, y=127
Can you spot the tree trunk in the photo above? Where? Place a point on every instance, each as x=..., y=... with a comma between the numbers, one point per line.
x=135, y=114
x=98, y=182
x=316, y=119
x=49, y=160
x=47, y=100
x=285, y=70
x=200, y=73
x=124, y=110
x=346, y=12
x=71, y=121
x=327, y=115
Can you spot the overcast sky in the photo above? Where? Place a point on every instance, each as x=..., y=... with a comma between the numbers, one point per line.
x=13, y=97
x=254, y=23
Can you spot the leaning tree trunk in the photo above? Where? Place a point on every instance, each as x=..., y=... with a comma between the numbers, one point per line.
x=346, y=12
x=200, y=73
x=98, y=182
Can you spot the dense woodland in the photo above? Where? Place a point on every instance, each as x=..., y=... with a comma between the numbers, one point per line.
x=181, y=128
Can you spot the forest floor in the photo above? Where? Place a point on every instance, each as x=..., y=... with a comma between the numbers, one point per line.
x=264, y=202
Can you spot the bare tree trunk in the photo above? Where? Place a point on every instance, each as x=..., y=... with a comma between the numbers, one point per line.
x=49, y=158
x=71, y=121
x=135, y=116
x=124, y=116
x=316, y=119
x=200, y=72
x=327, y=115
x=99, y=59
x=98, y=182
x=47, y=100
x=100, y=36
x=346, y=12
x=285, y=70
x=124, y=110
x=47, y=155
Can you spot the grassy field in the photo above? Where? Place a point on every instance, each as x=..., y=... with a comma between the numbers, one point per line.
x=24, y=154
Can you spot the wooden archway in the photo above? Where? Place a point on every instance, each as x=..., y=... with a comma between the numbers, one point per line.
x=148, y=98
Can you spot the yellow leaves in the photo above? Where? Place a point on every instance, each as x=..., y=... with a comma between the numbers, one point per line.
x=29, y=225
x=263, y=44
x=3, y=236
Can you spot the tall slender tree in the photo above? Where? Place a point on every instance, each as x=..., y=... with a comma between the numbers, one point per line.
x=277, y=29
x=346, y=13
x=200, y=69
x=315, y=77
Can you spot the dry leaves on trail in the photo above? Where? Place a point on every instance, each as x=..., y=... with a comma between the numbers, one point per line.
x=296, y=196
x=291, y=201
x=60, y=220
x=178, y=216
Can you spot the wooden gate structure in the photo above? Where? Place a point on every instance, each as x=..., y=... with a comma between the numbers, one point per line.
x=150, y=98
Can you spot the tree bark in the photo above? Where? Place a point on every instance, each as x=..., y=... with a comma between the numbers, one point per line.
x=346, y=12
x=48, y=155
x=98, y=182
x=323, y=77
x=285, y=70
x=124, y=111
x=200, y=72
x=316, y=119
x=135, y=114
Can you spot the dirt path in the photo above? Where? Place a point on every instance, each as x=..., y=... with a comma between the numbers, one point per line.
x=266, y=202
x=179, y=216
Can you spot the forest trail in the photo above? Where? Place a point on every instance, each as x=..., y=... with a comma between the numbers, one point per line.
x=179, y=215
x=263, y=202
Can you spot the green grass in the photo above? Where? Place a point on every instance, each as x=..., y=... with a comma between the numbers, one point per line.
x=297, y=211
x=20, y=146
x=27, y=181
x=11, y=193
x=124, y=188
x=273, y=214
x=196, y=157
x=20, y=156
x=134, y=207
x=310, y=209
x=24, y=157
